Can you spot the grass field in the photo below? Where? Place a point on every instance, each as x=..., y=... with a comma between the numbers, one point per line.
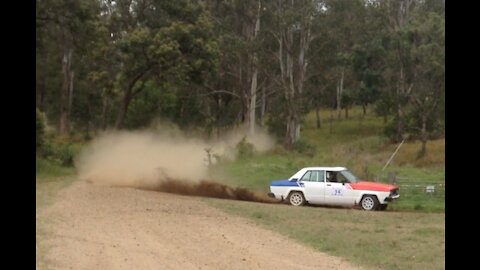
x=409, y=235
x=358, y=144
x=50, y=179
x=376, y=240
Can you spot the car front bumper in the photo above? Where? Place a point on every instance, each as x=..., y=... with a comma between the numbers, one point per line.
x=392, y=197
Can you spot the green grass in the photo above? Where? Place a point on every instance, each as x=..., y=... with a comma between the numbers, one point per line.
x=46, y=169
x=406, y=236
x=385, y=240
x=358, y=144
x=50, y=179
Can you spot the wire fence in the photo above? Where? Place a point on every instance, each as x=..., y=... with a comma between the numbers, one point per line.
x=416, y=186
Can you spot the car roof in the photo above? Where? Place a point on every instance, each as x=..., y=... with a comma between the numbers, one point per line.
x=302, y=171
x=325, y=168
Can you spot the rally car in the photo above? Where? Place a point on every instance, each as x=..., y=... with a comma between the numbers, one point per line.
x=335, y=186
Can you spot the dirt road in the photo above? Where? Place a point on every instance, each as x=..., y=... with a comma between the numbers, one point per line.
x=97, y=227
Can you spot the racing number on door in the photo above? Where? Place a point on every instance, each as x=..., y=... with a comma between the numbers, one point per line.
x=337, y=192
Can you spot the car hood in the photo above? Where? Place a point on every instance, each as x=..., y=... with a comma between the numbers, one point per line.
x=367, y=185
x=284, y=182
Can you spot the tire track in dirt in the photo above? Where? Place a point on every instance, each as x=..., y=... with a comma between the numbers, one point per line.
x=100, y=227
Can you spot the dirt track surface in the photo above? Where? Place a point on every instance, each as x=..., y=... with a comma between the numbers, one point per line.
x=97, y=227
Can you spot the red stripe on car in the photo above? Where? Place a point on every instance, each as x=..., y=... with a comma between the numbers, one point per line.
x=365, y=185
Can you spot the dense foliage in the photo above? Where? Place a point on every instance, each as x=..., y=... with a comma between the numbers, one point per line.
x=215, y=64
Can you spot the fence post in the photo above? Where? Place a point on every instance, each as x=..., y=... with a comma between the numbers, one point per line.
x=392, y=178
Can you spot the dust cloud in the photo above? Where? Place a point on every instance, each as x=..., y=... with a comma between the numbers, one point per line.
x=149, y=159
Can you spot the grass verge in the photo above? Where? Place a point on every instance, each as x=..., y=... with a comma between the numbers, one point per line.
x=50, y=179
x=375, y=240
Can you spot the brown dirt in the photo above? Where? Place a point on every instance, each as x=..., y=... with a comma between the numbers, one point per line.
x=101, y=227
x=206, y=188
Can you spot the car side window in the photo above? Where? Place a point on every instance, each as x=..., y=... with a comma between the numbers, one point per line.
x=307, y=176
x=341, y=178
x=331, y=176
x=314, y=176
x=321, y=176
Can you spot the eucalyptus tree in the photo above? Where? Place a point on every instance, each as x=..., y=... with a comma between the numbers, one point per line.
x=239, y=25
x=63, y=27
x=427, y=32
x=294, y=28
x=161, y=40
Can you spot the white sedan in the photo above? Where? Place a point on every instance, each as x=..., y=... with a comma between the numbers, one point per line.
x=335, y=186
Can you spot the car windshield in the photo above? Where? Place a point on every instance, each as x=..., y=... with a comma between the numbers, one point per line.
x=349, y=175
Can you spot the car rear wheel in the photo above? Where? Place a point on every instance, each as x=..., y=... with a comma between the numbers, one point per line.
x=369, y=203
x=296, y=198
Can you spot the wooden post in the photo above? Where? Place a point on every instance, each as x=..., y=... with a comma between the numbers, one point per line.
x=392, y=178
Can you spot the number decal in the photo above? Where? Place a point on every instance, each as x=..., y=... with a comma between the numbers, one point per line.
x=337, y=192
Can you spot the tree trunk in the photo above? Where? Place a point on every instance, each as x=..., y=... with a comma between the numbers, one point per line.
x=262, y=111
x=253, y=86
x=123, y=110
x=70, y=100
x=128, y=96
x=104, y=112
x=424, y=138
x=317, y=114
x=400, y=92
x=339, y=94
x=41, y=102
x=253, y=101
x=400, y=126
x=364, y=107
x=346, y=112
x=331, y=122
x=293, y=130
x=66, y=61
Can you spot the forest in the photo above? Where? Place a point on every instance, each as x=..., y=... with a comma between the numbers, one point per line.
x=211, y=65
x=139, y=98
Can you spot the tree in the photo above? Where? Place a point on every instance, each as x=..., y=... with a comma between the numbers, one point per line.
x=40, y=129
x=162, y=40
x=428, y=34
x=367, y=67
x=239, y=24
x=347, y=19
x=68, y=24
x=400, y=69
x=293, y=32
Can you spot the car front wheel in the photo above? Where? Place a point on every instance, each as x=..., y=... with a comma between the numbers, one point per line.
x=296, y=198
x=369, y=202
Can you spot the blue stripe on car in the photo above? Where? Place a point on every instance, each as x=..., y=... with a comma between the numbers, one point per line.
x=282, y=183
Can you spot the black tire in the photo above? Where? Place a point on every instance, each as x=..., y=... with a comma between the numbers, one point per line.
x=382, y=207
x=296, y=198
x=369, y=203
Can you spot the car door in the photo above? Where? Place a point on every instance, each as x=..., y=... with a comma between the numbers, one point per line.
x=336, y=190
x=313, y=182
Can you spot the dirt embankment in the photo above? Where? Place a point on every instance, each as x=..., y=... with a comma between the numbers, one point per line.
x=101, y=227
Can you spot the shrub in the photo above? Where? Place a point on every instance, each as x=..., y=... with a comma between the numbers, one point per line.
x=303, y=147
x=244, y=149
x=65, y=153
x=62, y=154
x=40, y=129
